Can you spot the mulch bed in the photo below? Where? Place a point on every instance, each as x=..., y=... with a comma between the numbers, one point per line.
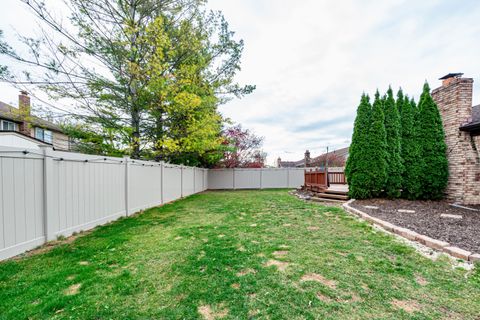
x=463, y=233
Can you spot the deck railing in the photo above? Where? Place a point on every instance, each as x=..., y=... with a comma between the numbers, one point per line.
x=336, y=178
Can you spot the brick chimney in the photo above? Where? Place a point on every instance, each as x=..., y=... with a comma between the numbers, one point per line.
x=307, y=158
x=24, y=109
x=454, y=100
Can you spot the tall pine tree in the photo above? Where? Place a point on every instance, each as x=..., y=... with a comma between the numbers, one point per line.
x=377, y=148
x=357, y=167
x=434, y=170
x=393, y=182
x=410, y=153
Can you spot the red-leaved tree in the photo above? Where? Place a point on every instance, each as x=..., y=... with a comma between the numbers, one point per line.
x=242, y=149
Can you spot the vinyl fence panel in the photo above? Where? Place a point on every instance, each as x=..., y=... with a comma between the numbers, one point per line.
x=86, y=192
x=188, y=181
x=21, y=203
x=144, y=186
x=172, y=183
x=248, y=178
x=221, y=179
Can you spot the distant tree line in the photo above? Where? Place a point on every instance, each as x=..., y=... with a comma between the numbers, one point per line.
x=398, y=148
x=144, y=78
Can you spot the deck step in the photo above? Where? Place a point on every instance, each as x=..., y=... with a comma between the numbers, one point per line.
x=332, y=196
x=344, y=193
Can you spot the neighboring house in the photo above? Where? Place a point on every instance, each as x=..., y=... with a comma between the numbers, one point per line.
x=19, y=121
x=461, y=122
x=336, y=158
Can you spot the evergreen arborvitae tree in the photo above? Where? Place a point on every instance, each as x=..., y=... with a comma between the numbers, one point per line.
x=357, y=167
x=377, y=149
x=434, y=170
x=410, y=153
x=393, y=183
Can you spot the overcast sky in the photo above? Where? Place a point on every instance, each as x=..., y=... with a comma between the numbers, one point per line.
x=311, y=60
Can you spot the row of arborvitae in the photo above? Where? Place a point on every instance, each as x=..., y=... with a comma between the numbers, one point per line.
x=398, y=149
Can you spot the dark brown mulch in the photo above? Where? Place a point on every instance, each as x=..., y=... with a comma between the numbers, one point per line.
x=464, y=233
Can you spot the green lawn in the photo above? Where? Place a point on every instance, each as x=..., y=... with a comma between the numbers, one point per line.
x=236, y=255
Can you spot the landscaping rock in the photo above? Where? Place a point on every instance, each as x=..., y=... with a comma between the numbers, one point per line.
x=432, y=243
x=406, y=211
x=457, y=252
x=371, y=207
x=474, y=257
x=406, y=233
x=451, y=216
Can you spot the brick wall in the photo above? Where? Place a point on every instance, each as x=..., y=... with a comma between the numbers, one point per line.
x=454, y=99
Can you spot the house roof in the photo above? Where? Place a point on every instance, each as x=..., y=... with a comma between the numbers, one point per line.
x=301, y=163
x=9, y=112
x=339, y=152
x=473, y=126
x=451, y=75
x=292, y=164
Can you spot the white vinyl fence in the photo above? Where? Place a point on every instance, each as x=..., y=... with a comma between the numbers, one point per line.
x=47, y=194
x=255, y=178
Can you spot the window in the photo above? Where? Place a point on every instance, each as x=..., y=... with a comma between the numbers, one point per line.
x=39, y=133
x=43, y=135
x=7, y=125
x=47, y=135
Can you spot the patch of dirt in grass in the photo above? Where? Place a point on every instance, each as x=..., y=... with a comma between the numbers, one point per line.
x=84, y=263
x=52, y=244
x=408, y=306
x=235, y=286
x=353, y=298
x=221, y=236
x=70, y=278
x=178, y=238
x=421, y=280
x=208, y=314
x=244, y=272
x=281, y=265
x=253, y=313
x=323, y=297
x=73, y=289
x=241, y=249
x=312, y=228
x=255, y=242
x=287, y=224
x=253, y=225
x=280, y=253
x=319, y=278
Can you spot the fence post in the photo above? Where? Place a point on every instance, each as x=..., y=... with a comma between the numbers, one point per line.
x=194, y=185
x=261, y=178
x=181, y=181
x=161, y=182
x=288, y=177
x=48, y=196
x=127, y=160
